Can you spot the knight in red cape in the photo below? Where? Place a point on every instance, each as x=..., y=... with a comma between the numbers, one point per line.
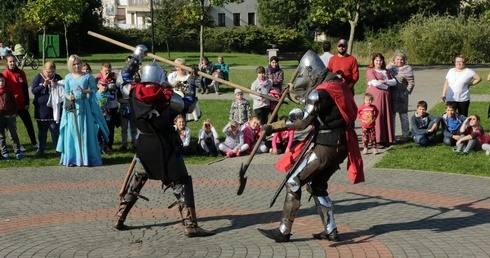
x=154, y=106
x=331, y=111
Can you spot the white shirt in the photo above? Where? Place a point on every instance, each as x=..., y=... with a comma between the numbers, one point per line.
x=458, y=84
x=325, y=58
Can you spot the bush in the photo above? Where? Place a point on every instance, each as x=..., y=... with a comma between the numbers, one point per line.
x=254, y=39
x=438, y=39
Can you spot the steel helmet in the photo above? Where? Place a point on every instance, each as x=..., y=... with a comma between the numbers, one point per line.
x=153, y=73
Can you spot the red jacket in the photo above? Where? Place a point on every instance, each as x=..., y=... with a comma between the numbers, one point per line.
x=16, y=81
x=8, y=105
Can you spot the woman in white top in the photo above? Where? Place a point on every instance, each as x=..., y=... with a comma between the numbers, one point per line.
x=457, y=86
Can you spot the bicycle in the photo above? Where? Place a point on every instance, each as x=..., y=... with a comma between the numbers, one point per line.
x=27, y=60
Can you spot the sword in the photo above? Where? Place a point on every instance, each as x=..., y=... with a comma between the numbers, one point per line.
x=122, y=192
x=293, y=168
x=244, y=167
x=75, y=118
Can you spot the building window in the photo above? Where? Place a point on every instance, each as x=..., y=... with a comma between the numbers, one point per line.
x=221, y=20
x=251, y=18
x=236, y=19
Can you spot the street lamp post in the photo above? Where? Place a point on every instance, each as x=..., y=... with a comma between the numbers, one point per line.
x=152, y=29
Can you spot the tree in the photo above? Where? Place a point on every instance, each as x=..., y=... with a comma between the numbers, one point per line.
x=326, y=11
x=205, y=6
x=286, y=14
x=12, y=25
x=41, y=15
x=68, y=12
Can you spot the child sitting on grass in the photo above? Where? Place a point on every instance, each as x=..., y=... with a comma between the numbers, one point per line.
x=451, y=123
x=424, y=125
x=472, y=136
x=234, y=144
x=208, y=139
x=251, y=132
x=184, y=133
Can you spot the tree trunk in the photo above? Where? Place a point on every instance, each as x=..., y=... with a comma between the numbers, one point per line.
x=66, y=41
x=353, y=25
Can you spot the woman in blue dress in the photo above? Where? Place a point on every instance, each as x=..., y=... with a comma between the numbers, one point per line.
x=81, y=122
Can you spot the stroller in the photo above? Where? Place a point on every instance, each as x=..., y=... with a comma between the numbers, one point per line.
x=22, y=58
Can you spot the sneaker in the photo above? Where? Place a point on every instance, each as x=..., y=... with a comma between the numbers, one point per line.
x=22, y=148
x=487, y=152
x=229, y=154
x=457, y=151
x=466, y=152
x=35, y=146
x=19, y=156
x=6, y=156
x=365, y=151
x=375, y=151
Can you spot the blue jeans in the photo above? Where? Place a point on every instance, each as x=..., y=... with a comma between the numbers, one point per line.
x=423, y=139
x=43, y=127
x=204, y=82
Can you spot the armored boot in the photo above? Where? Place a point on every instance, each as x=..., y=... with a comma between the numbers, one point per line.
x=325, y=209
x=184, y=192
x=289, y=212
x=122, y=213
x=191, y=229
x=135, y=183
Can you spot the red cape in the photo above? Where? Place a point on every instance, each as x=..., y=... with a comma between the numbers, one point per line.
x=348, y=108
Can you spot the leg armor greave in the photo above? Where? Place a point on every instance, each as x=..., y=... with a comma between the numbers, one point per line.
x=184, y=192
x=293, y=197
x=291, y=207
x=324, y=207
x=133, y=188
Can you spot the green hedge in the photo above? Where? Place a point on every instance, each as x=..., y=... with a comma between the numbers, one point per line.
x=248, y=39
x=254, y=39
x=436, y=39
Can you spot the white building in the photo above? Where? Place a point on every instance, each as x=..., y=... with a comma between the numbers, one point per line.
x=128, y=14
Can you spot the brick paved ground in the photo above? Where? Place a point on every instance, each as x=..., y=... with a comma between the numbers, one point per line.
x=67, y=212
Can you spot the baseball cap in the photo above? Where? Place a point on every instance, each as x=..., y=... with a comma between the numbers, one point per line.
x=238, y=91
x=342, y=42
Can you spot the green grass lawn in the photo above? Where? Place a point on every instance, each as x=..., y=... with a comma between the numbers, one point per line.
x=440, y=157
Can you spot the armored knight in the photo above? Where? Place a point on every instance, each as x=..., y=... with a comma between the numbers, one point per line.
x=158, y=148
x=331, y=110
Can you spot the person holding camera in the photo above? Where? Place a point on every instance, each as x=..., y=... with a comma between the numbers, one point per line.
x=208, y=138
x=42, y=86
x=107, y=99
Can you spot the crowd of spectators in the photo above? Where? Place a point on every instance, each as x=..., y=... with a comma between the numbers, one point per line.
x=85, y=110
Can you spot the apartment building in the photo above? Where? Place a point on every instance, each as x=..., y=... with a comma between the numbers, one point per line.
x=129, y=14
